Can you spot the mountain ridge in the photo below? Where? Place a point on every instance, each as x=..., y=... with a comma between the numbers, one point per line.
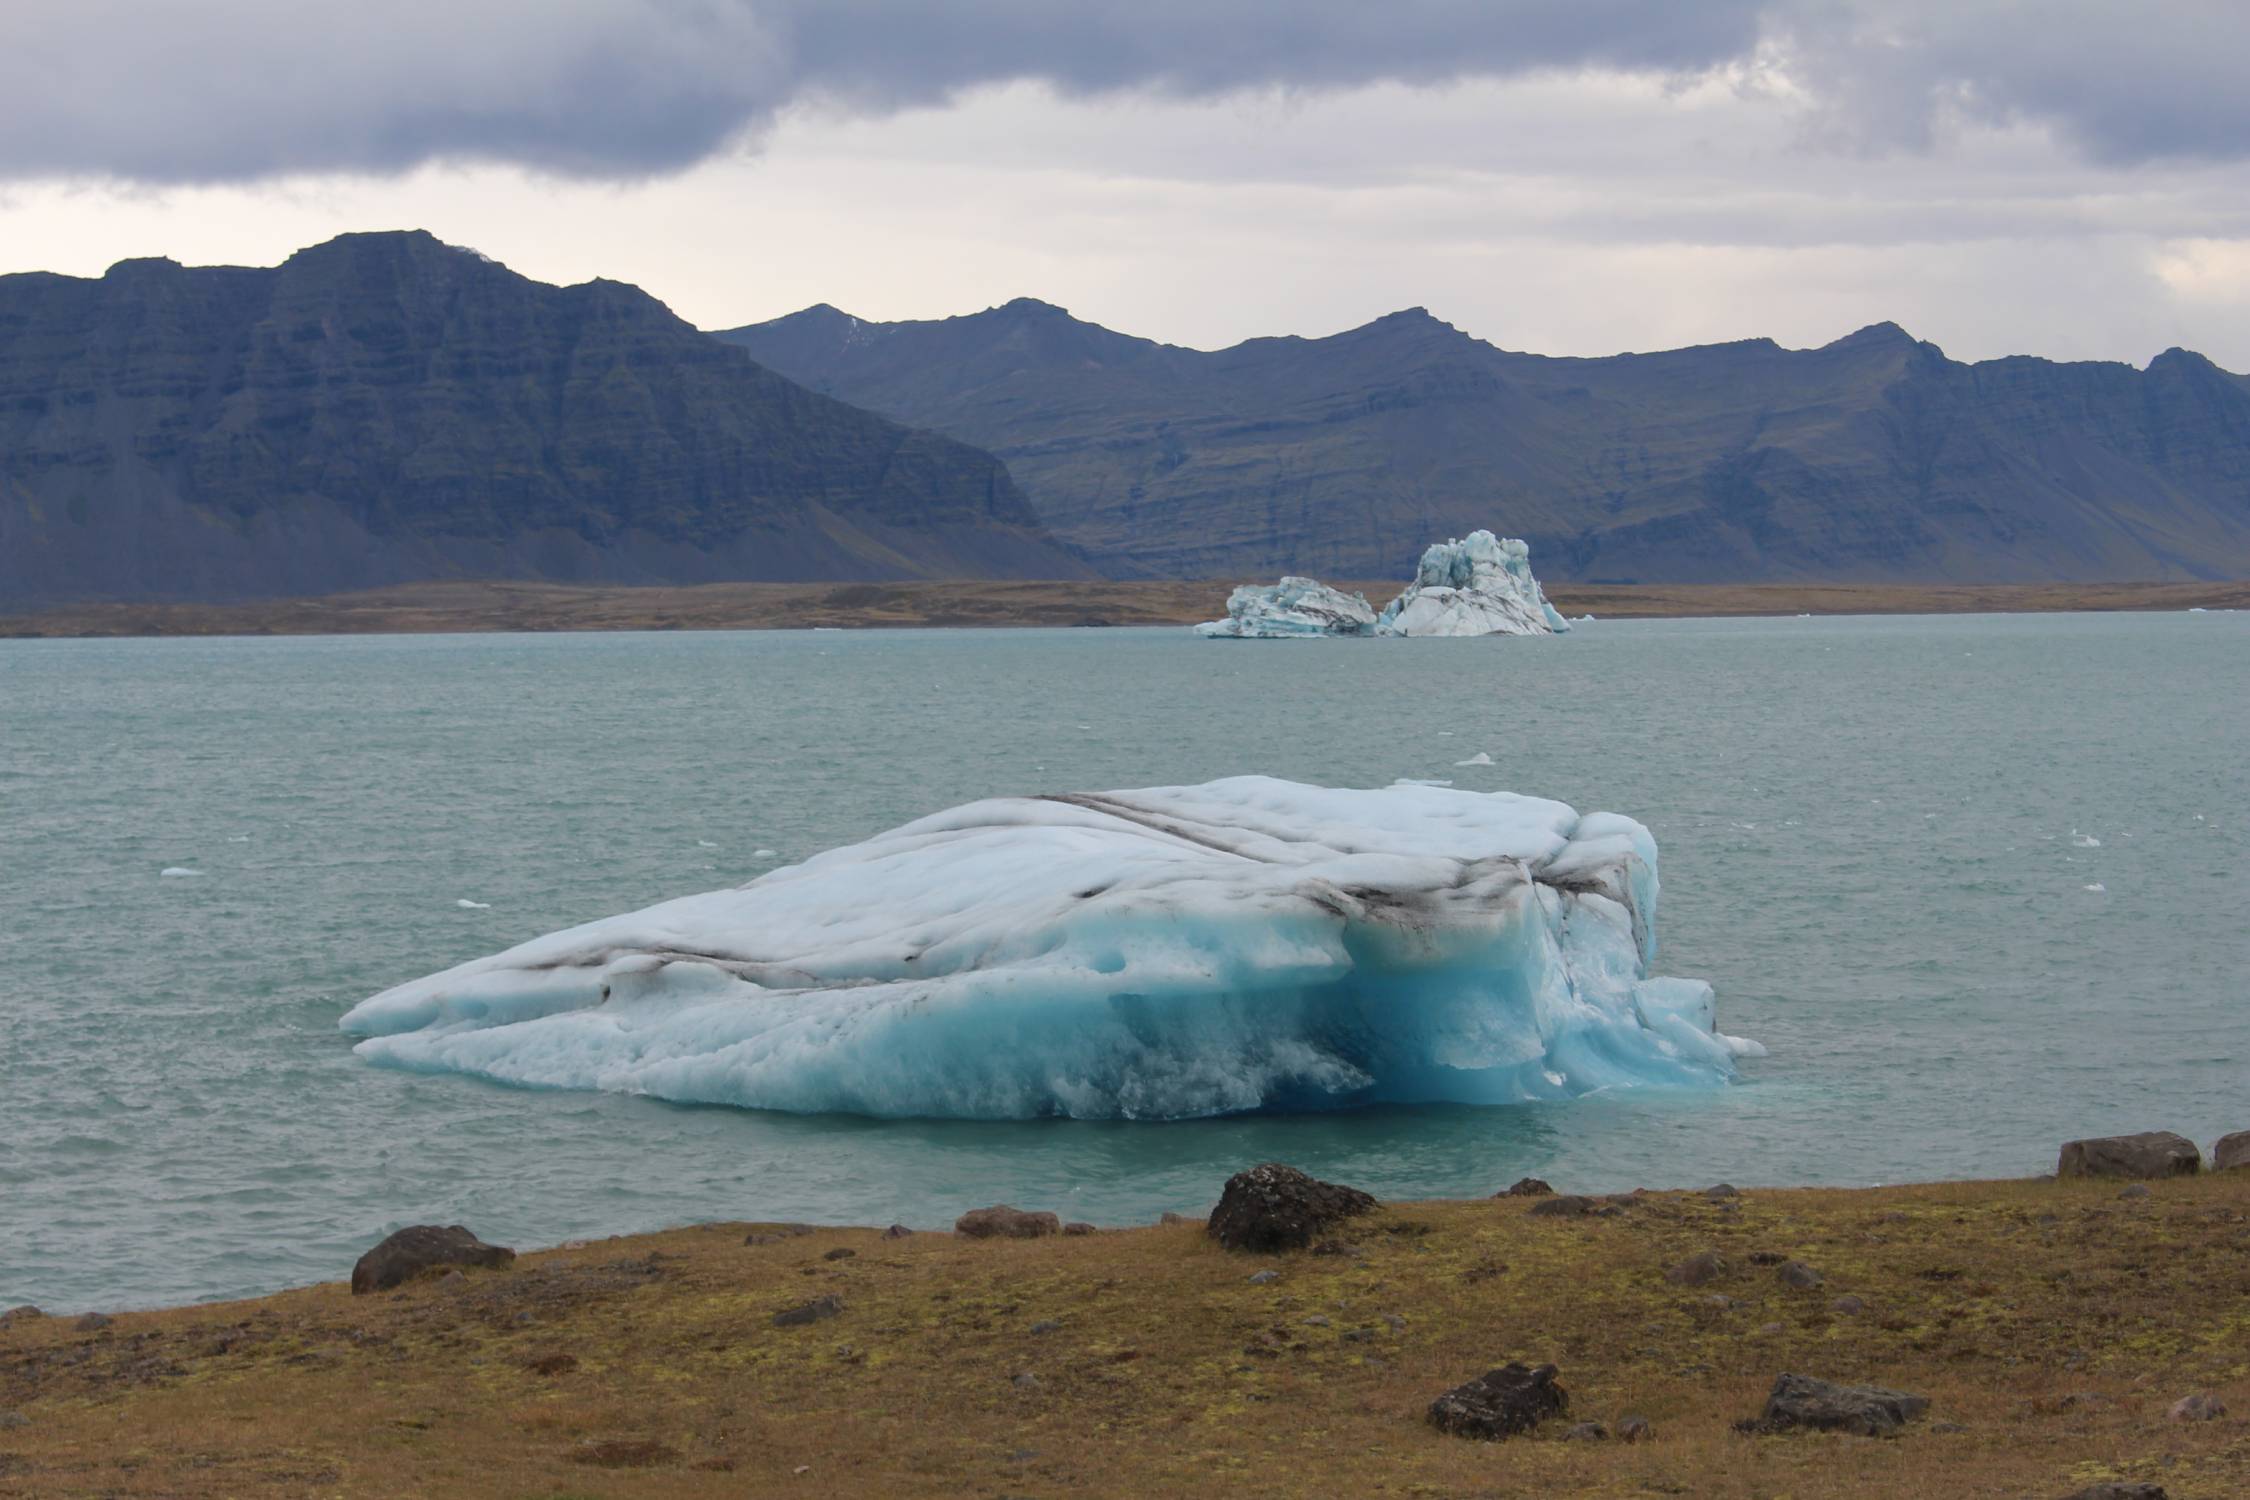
x=1872, y=457
x=382, y=407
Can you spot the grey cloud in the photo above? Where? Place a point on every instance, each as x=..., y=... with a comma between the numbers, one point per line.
x=234, y=90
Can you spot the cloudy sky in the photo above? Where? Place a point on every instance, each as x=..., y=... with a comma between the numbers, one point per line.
x=2060, y=177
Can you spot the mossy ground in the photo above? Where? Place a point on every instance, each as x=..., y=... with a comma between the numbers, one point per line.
x=2052, y=1324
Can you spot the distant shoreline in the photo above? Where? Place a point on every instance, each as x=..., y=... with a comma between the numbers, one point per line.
x=432, y=608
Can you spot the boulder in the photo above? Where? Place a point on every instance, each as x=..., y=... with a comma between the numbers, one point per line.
x=1002, y=1222
x=1719, y=1191
x=1078, y=1227
x=897, y=1232
x=1801, y=1402
x=2198, y=1408
x=1795, y=1273
x=1273, y=1207
x=93, y=1322
x=2113, y=1489
x=1635, y=1429
x=23, y=1314
x=1586, y=1432
x=1500, y=1403
x=423, y=1247
x=1525, y=1187
x=2152, y=1153
x=1698, y=1270
x=2232, y=1151
x=815, y=1311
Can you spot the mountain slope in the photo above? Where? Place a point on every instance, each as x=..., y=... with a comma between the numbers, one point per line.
x=384, y=407
x=1873, y=458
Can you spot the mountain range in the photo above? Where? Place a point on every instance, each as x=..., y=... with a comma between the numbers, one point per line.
x=1873, y=458
x=386, y=408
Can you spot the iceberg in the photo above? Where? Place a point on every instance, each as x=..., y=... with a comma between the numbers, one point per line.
x=1478, y=585
x=1247, y=944
x=1294, y=607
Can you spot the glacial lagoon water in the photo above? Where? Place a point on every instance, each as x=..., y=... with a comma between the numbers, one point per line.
x=1977, y=883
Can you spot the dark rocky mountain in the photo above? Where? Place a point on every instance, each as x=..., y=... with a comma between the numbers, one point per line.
x=1874, y=458
x=385, y=408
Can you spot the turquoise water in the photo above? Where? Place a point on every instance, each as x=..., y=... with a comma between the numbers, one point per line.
x=1867, y=830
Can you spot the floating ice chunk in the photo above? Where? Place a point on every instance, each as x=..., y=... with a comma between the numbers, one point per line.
x=1420, y=781
x=1295, y=608
x=2097, y=886
x=178, y=872
x=1481, y=758
x=2197, y=609
x=763, y=854
x=467, y=905
x=1179, y=951
x=238, y=838
x=2084, y=840
x=705, y=844
x=1479, y=585
x=1585, y=619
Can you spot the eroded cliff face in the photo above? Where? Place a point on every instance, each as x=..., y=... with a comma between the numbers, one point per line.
x=384, y=408
x=1874, y=458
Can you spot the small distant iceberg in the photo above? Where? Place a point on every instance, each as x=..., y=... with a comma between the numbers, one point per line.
x=1291, y=609
x=1246, y=944
x=1479, y=584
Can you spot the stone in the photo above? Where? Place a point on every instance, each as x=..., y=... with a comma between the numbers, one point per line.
x=1078, y=1228
x=1261, y=1278
x=1698, y=1270
x=2232, y=1151
x=1801, y=1402
x=1500, y=1403
x=1046, y=1325
x=1526, y=1187
x=1571, y=1206
x=1849, y=1307
x=2113, y=1489
x=2152, y=1153
x=818, y=1310
x=1796, y=1273
x=93, y=1322
x=555, y=1363
x=841, y=1252
x=1586, y=1432
x=2197, y=1408
x=1634, y=1428
x=1273, y=1207
x=13, y=1419
x=897, y=1232
x=423, y=1247
x=1719, y=1190
x=25, y=1313
x=2134, y=1190
x=1026, y=1382
x=1002, y=1222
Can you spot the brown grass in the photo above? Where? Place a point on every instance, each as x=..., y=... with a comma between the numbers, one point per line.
x=2054, y=1323
x=434, y=607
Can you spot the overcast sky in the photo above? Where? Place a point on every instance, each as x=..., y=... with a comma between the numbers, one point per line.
x=2060, y=177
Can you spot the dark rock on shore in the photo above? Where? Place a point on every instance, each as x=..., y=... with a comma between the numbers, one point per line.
x=2152, y=1153
x=1795, y=1273
x=423, y=1247
x=1500, y=1403
x=1801, y=1402
x=2111, y=1489
x=24, y=1314
x=2232, y=1151
x=1698, y=1270
x=1526, y=1187
x=817, y=1310
x=1275, y=1207
x=1077, y=1228
x=1002, y=1222
x=1634, y=1428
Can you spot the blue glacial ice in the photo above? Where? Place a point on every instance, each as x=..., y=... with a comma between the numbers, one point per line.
x=1294, y=607
x=1478, y=585
x=1248, y=944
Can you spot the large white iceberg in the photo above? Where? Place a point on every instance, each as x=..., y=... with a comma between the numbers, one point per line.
x=1246, y=944
x=1479, y=585
x=1293, y=607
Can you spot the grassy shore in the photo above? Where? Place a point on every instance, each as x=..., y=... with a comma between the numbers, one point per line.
x=432, y=607
x=2052, y=1324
